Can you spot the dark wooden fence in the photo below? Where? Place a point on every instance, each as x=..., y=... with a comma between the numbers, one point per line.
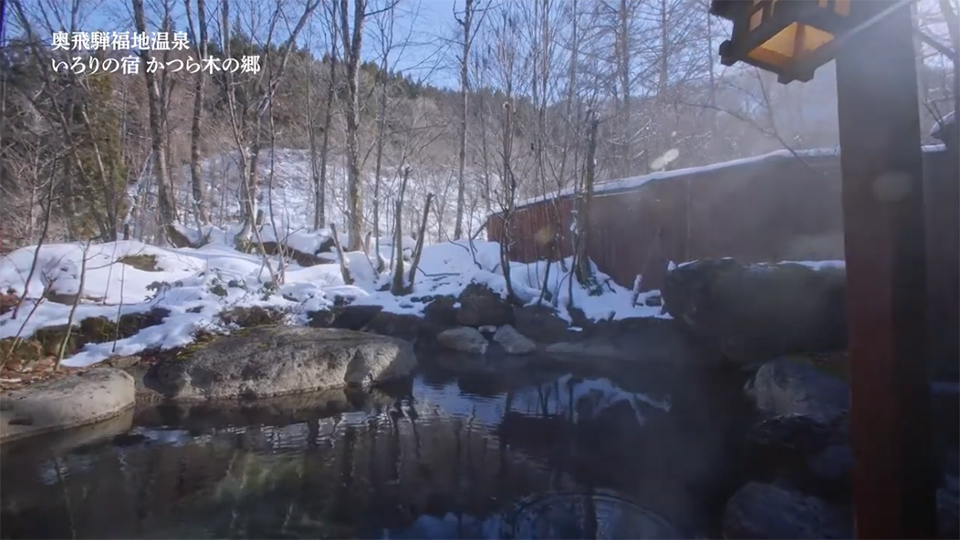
x=777, y=208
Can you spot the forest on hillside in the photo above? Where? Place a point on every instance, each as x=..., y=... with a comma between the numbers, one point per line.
x=353, y=90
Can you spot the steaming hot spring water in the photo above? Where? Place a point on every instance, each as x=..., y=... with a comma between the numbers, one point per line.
x=558, y=452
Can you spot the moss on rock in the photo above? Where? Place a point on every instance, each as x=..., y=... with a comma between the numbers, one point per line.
x=248, y=317
x=142, y=261
x=27, y=351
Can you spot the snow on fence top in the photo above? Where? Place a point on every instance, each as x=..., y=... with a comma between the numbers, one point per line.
x=634, y=182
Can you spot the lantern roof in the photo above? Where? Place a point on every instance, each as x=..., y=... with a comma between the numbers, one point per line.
x=728, y=9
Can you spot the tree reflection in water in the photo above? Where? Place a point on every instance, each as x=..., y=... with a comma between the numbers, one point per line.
x=441, y=457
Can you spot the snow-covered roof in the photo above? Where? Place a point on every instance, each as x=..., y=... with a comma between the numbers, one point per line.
x=634, y=182
x=626, y=184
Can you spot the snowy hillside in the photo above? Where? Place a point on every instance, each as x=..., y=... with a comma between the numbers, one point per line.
x=287, y=196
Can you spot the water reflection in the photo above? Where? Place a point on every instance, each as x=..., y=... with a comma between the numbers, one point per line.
x=440, y=457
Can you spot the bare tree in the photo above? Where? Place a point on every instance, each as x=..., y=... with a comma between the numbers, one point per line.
x=400, y=284
x=624, y=93
x=320, y=186
x=468, y=24
x=196, y=179
x=246, y=117
x=351, y=32
x=581, y=262
x=319, y=169
x=385, y=28
x=509, y=184
x=166, y=202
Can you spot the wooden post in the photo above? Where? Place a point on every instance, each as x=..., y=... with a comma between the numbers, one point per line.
x=894, y=477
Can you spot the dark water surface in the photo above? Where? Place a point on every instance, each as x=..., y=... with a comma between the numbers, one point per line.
x=534, y=454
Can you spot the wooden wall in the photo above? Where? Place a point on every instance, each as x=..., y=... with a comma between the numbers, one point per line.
x=768, y=210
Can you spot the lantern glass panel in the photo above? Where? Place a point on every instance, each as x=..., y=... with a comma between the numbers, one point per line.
x=790, y=44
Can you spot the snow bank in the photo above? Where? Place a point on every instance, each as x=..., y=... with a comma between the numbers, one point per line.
x=196, y=285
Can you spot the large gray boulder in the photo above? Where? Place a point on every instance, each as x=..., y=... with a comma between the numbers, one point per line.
x=754, y=312
x=58, y=404
x=279, y=360
x=804, y=438
x=807, y=454
x=464, y=339
x=788, y=387
x=541, y=323
x=480, y=306
x=403, y=326
x=512, y=341
x=767, y=511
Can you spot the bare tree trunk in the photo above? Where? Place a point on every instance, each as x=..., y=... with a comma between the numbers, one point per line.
x=36, y=252
x=466, y=24
x=281, y=241
x=510, y=186
x=399, y=287
x=314, y=164
x=485, y=154
x=166, y=204
x=711, y=63
x=421, y=233
x=381, y=128
x=352, y=42
x=583, y=271
x=196, y=179
x=623, y=76
x=73, y=308
x=344, y=269
x=320, y=218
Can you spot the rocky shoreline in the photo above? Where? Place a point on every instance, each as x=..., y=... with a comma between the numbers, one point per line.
x=781, y=326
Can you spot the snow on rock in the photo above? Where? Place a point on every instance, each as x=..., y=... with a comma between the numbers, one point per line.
x=304, y=241
x=196, y=284
x=514, y=342
x=407, y=242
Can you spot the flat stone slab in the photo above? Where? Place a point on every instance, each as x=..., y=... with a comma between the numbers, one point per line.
x=75, y=400
x=57, y=443
x=270, y=361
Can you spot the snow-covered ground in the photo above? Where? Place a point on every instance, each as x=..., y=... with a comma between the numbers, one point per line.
x=195, y=285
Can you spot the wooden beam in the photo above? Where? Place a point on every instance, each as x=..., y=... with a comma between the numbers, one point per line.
x=894, y=476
